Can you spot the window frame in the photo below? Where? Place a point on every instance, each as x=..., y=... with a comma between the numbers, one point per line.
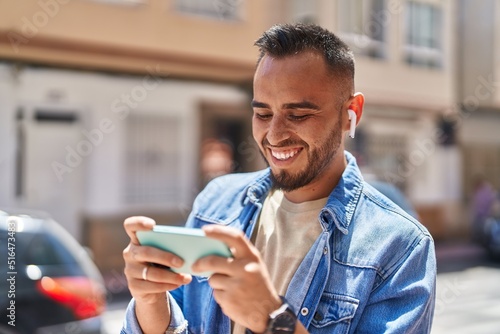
x=364, y=40
x=416, y=53
x=151, y=191
x=211, y=9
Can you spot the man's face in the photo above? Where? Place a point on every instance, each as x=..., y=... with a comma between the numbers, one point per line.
x=297, y=120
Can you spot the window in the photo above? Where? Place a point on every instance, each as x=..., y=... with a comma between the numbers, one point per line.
x=423, y=35
x=362, y=24
x=45, y=250
x=221, y=9
x=152, y=160
x=387, y=158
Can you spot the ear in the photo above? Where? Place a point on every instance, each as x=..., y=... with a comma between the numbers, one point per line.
x=356, y=104
x=354, y=110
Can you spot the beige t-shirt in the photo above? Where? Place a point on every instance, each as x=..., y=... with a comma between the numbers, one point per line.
x=284, y=234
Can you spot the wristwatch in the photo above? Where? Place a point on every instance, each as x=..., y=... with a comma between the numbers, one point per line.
x=282, y=320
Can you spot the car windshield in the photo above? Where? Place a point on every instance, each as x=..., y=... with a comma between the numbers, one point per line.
x=39, y=249
x=46, y=250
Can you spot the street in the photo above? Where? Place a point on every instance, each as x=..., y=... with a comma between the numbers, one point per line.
x=113, y=318
x=467, y=295
x=468, y=292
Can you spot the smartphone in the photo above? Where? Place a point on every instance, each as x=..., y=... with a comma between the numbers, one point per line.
x=190, y=244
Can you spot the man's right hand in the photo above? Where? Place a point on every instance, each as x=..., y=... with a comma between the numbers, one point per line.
x=152, y=309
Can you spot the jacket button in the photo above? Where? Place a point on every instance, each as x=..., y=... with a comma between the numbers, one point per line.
x=325, y=250
x=318, y=316
x=304, y=311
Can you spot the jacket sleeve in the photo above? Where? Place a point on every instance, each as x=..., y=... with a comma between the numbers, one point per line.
x=406, y=298
x=178, y=324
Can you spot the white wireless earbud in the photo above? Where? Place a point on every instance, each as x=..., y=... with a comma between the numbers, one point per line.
x=353, y=117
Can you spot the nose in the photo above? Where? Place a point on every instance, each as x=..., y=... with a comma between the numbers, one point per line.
x=278, y=131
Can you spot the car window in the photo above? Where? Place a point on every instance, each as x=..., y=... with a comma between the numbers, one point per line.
x=40, y=252
x=43, y=250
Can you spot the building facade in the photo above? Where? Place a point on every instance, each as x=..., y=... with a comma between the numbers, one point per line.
x=479, y=93
x=107, y=107
x=111, y=108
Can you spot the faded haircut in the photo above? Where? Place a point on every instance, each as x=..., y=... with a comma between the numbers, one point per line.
x=289, y=39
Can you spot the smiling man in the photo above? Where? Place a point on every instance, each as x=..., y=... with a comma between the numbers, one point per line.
x=299, y=124
x=315, y=248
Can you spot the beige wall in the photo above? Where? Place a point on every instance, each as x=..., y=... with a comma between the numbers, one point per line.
x=395, y=84
x=480, y=55
x=129, y=38
x=391, y=81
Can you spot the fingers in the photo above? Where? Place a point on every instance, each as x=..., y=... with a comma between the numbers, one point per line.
x=146, y=281
x=155, y=274
x=161, y=275
x=244, y=253
x=138, y=223
x=229, y=272
x=234, y=238
x=135, y=255
x=146, y=254
x=216, y=264
x=150, y=287
x=158, y=279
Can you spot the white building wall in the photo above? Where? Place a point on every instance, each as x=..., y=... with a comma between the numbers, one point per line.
x=103, y=103
x=7, y=133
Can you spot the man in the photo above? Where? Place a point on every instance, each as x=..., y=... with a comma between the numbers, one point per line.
x=315, y=249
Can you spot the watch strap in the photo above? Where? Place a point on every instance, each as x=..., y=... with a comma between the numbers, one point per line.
x=284, y=302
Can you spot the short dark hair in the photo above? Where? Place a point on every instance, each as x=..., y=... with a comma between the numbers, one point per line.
x=289, y=39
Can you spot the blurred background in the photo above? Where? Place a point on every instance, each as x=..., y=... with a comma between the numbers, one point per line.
x=112, y=108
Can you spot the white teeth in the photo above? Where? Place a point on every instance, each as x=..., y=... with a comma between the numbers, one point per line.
x=284, y=155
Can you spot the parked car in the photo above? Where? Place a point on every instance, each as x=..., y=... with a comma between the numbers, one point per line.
x=49, y=283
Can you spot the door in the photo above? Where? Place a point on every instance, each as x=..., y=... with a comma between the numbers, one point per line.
x=51, y=162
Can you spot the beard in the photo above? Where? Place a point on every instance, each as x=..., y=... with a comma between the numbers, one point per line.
x=318, y=160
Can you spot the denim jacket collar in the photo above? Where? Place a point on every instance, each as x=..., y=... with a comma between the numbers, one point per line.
x=341, y=201
x=258, y=190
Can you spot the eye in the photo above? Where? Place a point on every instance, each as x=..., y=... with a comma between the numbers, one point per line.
x=298, y=117
x=263, y=116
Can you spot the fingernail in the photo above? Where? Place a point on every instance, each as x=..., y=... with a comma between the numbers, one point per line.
x=208, y=228
x=195, y=266
x=148, y=222
x=176, y=262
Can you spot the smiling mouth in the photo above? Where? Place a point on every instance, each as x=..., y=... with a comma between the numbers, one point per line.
x=284, y=155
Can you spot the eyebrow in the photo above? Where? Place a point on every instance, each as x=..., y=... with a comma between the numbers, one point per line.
x=257, y=104
x=294, y=105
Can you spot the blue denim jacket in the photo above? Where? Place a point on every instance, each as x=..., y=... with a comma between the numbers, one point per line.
x=372, y=270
